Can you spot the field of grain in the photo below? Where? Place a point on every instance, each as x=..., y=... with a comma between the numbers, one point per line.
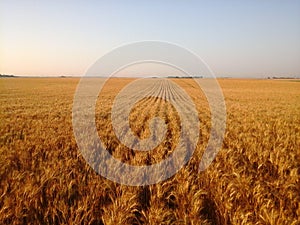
x=254, y=179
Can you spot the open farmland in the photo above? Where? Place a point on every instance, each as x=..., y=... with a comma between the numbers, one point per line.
x=254, y=179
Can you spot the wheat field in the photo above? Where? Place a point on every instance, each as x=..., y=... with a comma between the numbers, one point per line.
x=254, y=179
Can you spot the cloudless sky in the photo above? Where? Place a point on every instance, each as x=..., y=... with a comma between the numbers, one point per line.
x=235, y=38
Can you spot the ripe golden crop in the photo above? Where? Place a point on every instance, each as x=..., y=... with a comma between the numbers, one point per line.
x=254, y=179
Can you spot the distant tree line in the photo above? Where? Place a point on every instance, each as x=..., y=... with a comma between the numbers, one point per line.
x=6, y=75
x=185, y=76
x=282, y=78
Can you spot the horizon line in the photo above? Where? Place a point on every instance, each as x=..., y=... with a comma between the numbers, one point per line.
x=152, y=76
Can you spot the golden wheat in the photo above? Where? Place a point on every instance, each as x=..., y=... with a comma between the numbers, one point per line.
x=253, y=180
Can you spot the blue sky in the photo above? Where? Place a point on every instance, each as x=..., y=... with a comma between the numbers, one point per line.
x=255, y=38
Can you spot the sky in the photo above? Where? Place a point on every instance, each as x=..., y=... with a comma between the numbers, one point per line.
x=256, y=38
